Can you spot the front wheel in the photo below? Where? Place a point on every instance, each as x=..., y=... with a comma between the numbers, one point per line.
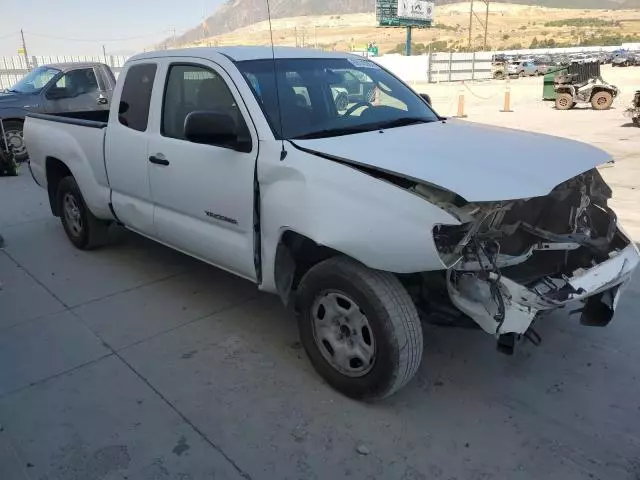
x=359, y=328
x=13, y=133
x=564, y=101
x=83, y=229
x=636, y=121
x=602, y=101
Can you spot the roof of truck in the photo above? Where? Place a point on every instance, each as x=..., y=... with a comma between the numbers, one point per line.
x=69, y=65
x=242, y=53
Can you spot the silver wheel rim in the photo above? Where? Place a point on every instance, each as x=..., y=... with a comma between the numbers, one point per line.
x=72, y=214
x=16, y=142
x=343, y=334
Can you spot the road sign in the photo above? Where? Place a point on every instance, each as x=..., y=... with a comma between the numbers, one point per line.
x=404, y=13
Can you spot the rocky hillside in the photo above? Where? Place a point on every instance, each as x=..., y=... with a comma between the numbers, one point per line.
x=236, y=14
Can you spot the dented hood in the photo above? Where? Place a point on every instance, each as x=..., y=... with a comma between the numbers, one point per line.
x=478, y=162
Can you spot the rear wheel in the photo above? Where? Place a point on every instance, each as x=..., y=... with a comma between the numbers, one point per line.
x=13, y=132
x=359, y=328
x=601, y=101
x=636, y=121
x=83, y=229
x=564, y=101
x=521, y=74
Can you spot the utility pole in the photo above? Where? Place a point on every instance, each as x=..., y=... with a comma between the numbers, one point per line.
x=24, y=50
x=470, y=24
x=175, y=43
x=104, y=53
x=484, y=24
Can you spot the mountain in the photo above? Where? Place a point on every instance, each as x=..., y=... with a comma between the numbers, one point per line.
x=236, y=14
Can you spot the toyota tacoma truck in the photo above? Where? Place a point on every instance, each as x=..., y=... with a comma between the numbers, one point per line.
x=365, y=221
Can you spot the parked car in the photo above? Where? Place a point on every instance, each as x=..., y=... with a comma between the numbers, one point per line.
x=623, y=60
x=523, y=69
x=362, y=221
x=56, y=88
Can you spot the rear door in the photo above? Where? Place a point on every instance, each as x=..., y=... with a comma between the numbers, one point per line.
x=203, y=193
x=126, y=148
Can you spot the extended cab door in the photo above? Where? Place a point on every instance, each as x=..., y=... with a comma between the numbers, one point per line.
x=203, y=192
x=126, y=147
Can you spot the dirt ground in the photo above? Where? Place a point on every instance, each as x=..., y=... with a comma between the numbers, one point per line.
x=609, y=130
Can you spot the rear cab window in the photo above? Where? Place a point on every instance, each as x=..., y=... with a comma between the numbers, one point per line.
x=135, y=100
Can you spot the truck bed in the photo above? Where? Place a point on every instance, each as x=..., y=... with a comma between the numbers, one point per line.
x=75, y=139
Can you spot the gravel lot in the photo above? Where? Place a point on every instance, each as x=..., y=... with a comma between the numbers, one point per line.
x=137, y=362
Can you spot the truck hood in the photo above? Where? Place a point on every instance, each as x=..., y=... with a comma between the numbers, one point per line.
x=478, y=162
x=16, y=100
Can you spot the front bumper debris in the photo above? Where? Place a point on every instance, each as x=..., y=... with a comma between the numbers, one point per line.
x=599, y=288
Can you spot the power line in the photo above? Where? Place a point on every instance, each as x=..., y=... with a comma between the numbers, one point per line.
x=14, y=34
x=98, y=40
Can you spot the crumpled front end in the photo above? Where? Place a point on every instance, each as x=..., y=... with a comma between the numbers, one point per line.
x=510, y=262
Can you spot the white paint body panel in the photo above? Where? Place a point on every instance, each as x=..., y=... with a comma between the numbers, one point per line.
x=478, y=162
x=82, y=150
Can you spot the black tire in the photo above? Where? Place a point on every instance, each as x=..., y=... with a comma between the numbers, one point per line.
x=89, y=232
x=521, y=74
x=602, y=100
x=13, y=131
x=395, y=329
x=636, y=121
x=564, y=101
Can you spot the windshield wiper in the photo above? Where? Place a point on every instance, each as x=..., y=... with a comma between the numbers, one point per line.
x=369, y=127
x=402, y=122
x=335, y=132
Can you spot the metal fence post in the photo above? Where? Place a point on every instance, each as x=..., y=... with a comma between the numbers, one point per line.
x=450, y=64
x=429, y=66
x=473, y=66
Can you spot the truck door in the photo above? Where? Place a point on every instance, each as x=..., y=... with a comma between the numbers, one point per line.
x=126, y=148
x=203, y=192
x=77, y=90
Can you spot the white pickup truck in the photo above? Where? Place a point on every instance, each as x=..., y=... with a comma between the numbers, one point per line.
x=365, y=220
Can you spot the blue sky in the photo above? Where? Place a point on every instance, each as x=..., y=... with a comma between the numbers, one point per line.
x=111, y=22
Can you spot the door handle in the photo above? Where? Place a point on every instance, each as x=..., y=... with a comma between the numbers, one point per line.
x=158, y=160
x=102, y=101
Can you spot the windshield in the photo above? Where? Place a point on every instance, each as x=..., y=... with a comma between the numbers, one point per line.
x=35, y=80
x=332, y=96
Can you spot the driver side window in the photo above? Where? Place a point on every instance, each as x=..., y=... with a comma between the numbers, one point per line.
x=192, y=88
x=74, y=83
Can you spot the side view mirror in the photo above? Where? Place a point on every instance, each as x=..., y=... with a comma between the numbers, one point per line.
x=426, y=97
x=213, y=128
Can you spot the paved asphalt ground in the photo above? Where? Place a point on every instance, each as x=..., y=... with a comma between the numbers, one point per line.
x=136, y=362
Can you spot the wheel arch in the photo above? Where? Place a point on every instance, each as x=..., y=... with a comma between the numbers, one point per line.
x=56, y=170
x=296, y=254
